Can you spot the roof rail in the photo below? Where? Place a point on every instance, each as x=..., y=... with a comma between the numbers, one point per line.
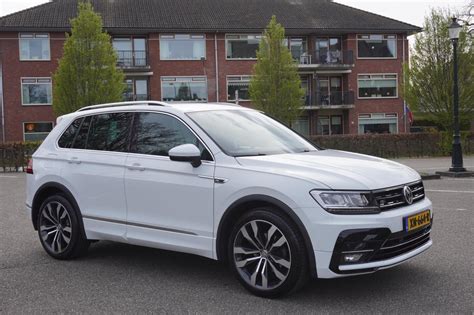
x=153, y=103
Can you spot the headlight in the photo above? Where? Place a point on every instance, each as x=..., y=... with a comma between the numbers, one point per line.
x=346, y=202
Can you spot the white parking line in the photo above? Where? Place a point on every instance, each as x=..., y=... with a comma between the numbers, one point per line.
x=8, y=176
x=450, y=191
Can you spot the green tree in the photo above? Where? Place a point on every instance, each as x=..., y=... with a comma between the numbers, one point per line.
x=428, y=86
x=275, y=87
x=87, y=72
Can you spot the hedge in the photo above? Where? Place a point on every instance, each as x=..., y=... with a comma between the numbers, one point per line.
x=396, y=145
x=14, y=155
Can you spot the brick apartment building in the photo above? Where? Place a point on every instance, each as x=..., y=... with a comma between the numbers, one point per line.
x=350, y=61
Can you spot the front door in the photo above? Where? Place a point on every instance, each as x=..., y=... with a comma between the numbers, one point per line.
x=169, y=203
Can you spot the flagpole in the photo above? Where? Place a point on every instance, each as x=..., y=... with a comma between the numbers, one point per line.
x=405, y=115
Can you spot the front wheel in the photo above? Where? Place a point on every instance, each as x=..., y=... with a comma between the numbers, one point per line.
x=267, y=254
x=59, y=230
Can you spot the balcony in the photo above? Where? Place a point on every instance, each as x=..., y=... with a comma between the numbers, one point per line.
x=135, y=97
x=338, y=60
x=332, y=100
x=132, y=59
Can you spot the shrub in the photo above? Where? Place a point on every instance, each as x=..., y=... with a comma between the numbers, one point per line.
x=14, y=155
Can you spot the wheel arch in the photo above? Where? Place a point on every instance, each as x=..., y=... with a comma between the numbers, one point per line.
x=49, y=189
x=244, y=204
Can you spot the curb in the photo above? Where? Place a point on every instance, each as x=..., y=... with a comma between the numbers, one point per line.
x=430, y=176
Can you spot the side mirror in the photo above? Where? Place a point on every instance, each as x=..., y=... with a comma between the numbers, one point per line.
x=186, y=153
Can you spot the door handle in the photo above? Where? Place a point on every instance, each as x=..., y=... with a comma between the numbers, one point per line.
x=74, y=160
x=136, y=167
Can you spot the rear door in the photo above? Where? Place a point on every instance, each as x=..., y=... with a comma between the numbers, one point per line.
x=94, y=169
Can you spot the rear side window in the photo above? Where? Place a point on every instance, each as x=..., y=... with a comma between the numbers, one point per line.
x=109, y=132
x=156, y=134
x=68, y=136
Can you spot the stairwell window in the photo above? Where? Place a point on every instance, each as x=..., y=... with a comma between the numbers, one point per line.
x=182, y=47
x=34, y=47
x=242, y=46
x=377, y=85
x=377, y=46
x=36, y=91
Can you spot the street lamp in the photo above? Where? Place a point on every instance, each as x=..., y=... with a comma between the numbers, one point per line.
x=457, y=163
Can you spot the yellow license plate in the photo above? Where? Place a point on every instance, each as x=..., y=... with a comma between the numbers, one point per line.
x=418, y=220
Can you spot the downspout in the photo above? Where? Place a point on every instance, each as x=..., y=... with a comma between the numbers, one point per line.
x=2, y=107
x=404, y=82
x=217, y=67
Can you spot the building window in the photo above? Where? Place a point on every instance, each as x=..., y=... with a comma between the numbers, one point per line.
x=136, y=89
x=36, y=91
x=240, y=85
x=330, y=125
x=34, y=46
x=182, y=47
x=36, y=131
x=377, y=46
x=377, y=85
x=131, y=51
x=301, y=125
x=183, y=89
x=378, y=123
x=242, y=46
x=328, y=50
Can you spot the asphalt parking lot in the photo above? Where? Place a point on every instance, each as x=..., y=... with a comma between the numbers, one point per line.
x=118, y=278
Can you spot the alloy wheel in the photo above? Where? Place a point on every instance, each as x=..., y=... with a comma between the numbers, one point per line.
x=262, y=254
x=55, y=227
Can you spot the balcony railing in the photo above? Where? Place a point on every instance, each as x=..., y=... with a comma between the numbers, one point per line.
x=329, y=57
x=132, y=58
x=135, y=97
x=333, y=98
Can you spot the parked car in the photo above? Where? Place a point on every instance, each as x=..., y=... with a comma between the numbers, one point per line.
x=224, y=182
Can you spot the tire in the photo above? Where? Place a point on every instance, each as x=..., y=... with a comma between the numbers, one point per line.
x=267, y=266
x=59, y=229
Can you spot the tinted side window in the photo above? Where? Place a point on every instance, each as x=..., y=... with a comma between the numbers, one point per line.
x=68, y=136
x=81, y=138
x=156, y=134
x=109, y=132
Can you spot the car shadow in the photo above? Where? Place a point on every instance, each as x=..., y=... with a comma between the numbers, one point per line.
x=401, y=281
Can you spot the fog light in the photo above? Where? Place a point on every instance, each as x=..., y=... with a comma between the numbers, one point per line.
x=350, y=258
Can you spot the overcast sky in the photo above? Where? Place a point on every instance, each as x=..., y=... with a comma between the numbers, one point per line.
x=410, y=11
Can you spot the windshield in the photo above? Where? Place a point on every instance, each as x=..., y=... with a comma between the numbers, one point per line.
x=249, y=133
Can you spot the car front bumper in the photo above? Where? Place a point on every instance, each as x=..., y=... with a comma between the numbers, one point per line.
x=380, y=240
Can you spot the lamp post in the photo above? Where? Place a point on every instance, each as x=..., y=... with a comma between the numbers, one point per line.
x=457, y=163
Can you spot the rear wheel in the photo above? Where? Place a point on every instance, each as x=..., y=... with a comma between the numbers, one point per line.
x=267, y=254
x=59, y=230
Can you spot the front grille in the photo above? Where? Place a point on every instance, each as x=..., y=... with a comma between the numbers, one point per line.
x=393, y=197
x=401, y=243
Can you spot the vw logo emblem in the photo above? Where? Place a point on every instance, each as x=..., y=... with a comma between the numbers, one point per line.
x=408, y=194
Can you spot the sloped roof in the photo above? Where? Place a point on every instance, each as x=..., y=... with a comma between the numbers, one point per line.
x=207, y=15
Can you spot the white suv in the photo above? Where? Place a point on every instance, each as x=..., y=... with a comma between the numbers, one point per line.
x=224, y=182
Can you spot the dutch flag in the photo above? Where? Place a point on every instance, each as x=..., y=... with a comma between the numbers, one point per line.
x=408, y=114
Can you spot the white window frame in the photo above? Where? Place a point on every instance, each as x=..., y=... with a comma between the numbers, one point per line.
x=237, y=78
x=191, y=37
x=182, y=79
x=36, y=122
x=385, y=116
x=33, y=37
x=378, y=74
x=36, y=78
x=255, y=35
x=375, y=58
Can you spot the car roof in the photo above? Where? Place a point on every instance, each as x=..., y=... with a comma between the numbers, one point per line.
x=184, y=107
